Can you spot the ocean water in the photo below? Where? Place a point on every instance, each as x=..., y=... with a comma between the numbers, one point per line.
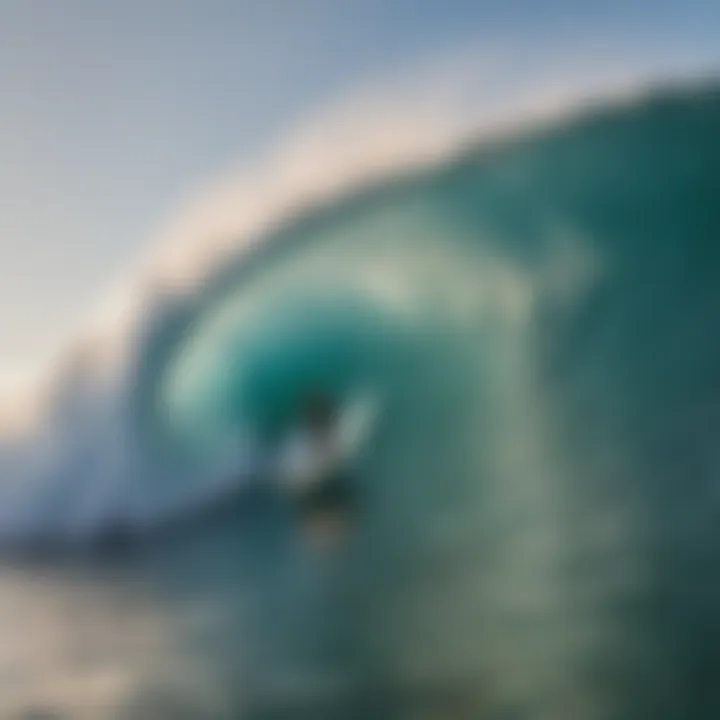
x=538, y=533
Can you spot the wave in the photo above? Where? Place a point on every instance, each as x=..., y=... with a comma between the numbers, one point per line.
x=481, y=288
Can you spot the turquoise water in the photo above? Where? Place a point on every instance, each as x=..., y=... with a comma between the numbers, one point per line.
x=540, y=499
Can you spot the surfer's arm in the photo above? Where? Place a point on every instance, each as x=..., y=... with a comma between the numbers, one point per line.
x=355, y=427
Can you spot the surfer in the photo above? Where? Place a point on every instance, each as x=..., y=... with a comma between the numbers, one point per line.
x=314, y=472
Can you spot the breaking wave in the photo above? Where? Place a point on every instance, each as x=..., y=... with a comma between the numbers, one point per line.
x=536, y=312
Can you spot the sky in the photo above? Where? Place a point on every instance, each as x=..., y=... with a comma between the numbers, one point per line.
x=113, y=114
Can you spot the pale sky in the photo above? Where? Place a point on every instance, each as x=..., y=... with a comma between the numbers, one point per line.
x=113, y=112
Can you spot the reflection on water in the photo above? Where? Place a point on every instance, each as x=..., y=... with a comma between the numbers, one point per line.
x=208, y=625
x=74, y=645
x=237, y=620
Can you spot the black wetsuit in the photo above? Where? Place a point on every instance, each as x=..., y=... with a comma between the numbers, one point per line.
x=336, y=493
